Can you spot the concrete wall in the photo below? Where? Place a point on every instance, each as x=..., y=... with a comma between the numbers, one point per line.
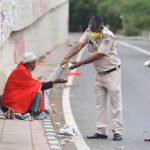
x=29, y=25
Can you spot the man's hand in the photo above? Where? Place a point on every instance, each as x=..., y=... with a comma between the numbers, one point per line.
x=59, y=80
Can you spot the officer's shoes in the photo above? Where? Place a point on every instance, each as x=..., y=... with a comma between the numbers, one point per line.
x=117, y=137
x=97, y=136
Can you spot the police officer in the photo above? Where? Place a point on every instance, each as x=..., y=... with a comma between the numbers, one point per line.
x=102, y=46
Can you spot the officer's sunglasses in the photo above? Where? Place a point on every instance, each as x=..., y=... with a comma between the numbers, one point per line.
x=96, y=28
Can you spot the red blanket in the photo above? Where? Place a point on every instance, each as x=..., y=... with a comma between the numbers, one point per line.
x=20, y=90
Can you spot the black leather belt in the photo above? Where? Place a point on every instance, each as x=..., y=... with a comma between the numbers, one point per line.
x=108, y=71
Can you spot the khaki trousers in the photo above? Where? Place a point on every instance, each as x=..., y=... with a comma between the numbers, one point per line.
x=109, y=86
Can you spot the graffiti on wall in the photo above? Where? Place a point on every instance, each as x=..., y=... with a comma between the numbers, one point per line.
x=34, y=8
x=43, y=6
x=17, y=14
x=5, y=24
x=39, y=5
x=6, y=19
x=19, y=48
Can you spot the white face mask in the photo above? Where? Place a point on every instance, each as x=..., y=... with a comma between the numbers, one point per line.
x=94, y=35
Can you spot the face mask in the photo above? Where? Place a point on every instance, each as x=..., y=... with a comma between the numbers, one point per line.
x=95, y=35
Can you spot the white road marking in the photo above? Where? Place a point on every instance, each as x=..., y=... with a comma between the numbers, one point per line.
x=134, y=47
x=69, y=118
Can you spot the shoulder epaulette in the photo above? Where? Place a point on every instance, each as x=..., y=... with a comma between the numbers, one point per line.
x=105, y=35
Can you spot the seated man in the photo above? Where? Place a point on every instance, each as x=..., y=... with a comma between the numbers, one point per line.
x=24, y=94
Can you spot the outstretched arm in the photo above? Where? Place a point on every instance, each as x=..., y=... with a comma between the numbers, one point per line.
x=87, y=60
x=49, y=84
x=72, y=52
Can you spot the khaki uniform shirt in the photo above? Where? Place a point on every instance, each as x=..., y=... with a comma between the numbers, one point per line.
x=106, y=45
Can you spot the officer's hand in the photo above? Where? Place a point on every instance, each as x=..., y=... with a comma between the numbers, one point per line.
x=147, y=63
x=75, y=64
x=59, y=80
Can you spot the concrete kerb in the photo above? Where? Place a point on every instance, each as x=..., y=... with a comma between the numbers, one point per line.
x=48, y=126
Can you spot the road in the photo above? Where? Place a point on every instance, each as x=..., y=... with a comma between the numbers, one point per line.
x=136, y=101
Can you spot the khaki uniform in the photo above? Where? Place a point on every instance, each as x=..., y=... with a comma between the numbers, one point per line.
x=106, y=84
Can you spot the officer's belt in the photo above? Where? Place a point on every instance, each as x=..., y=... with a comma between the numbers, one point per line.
x=108, y=71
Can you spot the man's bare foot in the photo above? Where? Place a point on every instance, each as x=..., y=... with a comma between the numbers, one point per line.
x=9, y=114
x=47, y=111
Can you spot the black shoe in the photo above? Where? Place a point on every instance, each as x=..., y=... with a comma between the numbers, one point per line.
x=97, y=136
x=117, y=137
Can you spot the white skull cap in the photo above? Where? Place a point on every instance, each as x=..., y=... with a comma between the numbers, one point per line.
x=28, y=57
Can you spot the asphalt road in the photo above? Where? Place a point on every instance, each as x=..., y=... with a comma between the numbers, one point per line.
x=136, y=100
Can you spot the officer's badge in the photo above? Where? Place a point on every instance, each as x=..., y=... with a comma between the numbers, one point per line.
x=106, y=42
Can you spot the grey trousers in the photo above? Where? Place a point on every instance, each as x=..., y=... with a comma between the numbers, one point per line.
x=0, y=100
x=35, y=105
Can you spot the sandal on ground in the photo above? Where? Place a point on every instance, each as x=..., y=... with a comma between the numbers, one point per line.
x=9, y=114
